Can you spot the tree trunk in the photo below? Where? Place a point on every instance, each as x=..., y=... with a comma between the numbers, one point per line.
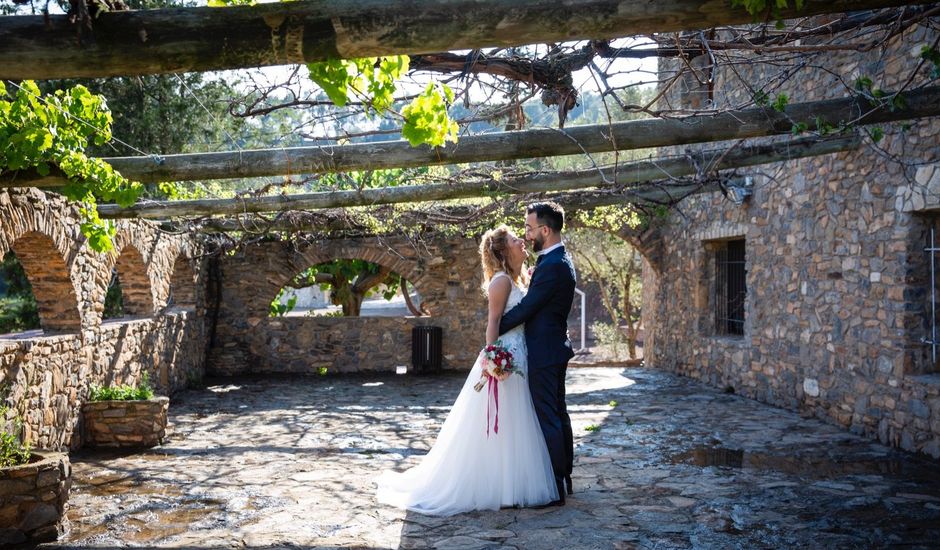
x=411, y=306
x=128, y=43
x=576, y=140
x=635, y=172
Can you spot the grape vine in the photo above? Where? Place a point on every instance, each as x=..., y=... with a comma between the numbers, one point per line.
x=40, y=132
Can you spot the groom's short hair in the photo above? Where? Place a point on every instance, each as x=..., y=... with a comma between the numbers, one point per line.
x=549, y=213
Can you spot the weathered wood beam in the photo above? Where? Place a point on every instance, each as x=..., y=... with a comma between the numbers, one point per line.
x=131, y=43
x=628, y=173
x=338, y=220
x=634, y=134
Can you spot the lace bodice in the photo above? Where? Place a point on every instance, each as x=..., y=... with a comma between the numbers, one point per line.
x=515, y=338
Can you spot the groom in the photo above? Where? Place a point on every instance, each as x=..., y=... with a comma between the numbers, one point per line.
x=544, y=310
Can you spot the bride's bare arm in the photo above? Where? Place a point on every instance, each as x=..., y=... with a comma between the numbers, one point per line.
x=498, y=292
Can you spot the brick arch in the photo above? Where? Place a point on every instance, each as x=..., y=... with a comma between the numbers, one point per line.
x=48, y=272
x=411, y=268
x=135, y=282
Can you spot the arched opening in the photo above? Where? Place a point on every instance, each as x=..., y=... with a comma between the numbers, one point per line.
x=129, y=292
x=182, y=284
x=36, y=259
x=347, y=288
x=611, y=272
x=18, y=309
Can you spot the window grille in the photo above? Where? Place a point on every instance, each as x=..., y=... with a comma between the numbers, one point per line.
x=931, y=250
x=731, y=288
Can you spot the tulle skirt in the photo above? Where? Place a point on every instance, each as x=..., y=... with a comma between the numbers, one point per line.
x=470, y=469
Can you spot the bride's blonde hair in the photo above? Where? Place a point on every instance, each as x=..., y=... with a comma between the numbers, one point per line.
x=494, y=255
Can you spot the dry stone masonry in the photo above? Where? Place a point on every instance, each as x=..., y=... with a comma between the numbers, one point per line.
x=33, y=499
x=838, y=280
x=445, y=272
x=125, y=424
x=46, y=376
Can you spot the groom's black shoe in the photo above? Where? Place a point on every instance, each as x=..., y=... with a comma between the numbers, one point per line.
x=568, y=484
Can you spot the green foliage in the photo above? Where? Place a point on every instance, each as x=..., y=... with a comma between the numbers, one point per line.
x=40, y=131
x=933, y=56
x=18, y=314
x=612, y=403
x=278, y=309
x=426, y=119
x=373, y=79
x=322, y=371
x=876, y=134
x=114, y=299
x=592, y=428
x=611, y=338
x=142, y=391
x=760, y=7
x=18, y=309
x=780, y=103
x=13, y=451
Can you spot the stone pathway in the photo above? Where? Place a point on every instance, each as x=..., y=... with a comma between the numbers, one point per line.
x=662, y=462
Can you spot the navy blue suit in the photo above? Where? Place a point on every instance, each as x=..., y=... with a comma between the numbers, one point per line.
x=544, y=310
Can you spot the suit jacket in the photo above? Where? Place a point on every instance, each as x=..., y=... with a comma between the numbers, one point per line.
x=544, y=310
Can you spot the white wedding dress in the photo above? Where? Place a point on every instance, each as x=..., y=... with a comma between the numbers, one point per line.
x=470, y=469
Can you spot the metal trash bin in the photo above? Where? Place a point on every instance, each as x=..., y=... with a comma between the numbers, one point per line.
x=427, y=352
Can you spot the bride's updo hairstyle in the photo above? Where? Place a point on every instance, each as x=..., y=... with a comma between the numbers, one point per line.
x=494, y=254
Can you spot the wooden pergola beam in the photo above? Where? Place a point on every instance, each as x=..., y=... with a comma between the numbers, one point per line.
x=128, y=43
x=634, y=134
x=628, y=173
x=339, y=220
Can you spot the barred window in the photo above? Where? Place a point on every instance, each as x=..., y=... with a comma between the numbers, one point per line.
x=730, y=287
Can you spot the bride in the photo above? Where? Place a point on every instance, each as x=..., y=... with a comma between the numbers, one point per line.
x=472, y=466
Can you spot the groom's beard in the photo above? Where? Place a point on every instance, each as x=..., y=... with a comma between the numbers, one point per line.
x=538, y=243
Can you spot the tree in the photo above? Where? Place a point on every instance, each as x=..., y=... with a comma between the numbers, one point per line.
x=18, y=310
x=616, y=268
x=350, y=282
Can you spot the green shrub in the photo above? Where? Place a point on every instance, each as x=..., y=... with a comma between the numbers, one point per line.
x=611, y=338
x=123, y=392
x=12, y=451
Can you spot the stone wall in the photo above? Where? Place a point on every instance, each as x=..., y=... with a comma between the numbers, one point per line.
x=127, y=424
x=445, y=272
x=837, y=278
x=45, y=375
x=33, y=500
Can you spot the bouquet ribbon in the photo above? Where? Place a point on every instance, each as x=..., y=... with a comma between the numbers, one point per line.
x=492, y=389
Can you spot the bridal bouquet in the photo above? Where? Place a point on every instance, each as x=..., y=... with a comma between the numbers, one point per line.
x=497, y=363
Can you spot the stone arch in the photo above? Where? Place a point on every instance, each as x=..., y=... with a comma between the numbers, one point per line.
x=49, y=275
x=386, y=254
x=135, y=282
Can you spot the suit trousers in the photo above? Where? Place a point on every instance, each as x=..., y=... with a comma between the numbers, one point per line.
x=547, y=385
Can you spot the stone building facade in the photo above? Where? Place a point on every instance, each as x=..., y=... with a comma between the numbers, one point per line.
x=838, y=286
x=45, y=375
x=444, y=272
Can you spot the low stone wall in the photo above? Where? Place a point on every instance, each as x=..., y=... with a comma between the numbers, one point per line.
x=304, y=345
x=48, y=377
x=446, y=273
x=33, y=499
x=128, y=424
x=45, y=374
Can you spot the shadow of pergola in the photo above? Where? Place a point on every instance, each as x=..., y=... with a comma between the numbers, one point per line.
x=267, y=462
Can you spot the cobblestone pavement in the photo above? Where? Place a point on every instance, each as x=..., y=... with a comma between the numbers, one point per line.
x=662, y=462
